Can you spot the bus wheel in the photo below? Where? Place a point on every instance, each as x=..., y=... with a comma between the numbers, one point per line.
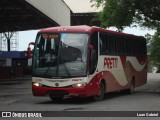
x=100, y=95
x=131, y=89
x=53, y=98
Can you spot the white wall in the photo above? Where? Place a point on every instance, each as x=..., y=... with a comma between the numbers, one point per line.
x=30, y=62
x=57, y=10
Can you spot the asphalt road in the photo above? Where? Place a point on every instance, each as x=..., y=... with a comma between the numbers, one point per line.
x=18, y=97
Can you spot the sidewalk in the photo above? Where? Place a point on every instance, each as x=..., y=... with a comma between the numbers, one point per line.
x=15, y=80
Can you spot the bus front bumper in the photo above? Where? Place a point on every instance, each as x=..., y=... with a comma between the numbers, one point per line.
x=43, y=91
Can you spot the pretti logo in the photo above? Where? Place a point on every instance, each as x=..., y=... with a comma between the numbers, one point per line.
x=110, y=63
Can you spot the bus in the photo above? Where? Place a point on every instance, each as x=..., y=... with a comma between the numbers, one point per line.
x=84, y=61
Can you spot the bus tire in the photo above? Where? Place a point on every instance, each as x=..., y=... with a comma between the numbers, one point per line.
x=131, y=89
x=101, y=92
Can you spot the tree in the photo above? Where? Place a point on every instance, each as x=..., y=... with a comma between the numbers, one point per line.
x=148, y=38
x=122, y=13
x=155, y=50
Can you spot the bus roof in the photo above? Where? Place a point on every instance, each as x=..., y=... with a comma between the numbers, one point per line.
x=83, y=29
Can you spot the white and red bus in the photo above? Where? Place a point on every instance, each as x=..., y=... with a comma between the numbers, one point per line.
x=85, y=61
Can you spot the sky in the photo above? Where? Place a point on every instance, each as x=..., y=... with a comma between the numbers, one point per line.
x=76, y=6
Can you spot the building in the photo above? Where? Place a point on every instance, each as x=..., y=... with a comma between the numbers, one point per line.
x=13, y=64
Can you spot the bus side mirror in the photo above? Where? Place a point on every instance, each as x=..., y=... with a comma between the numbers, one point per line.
x=29, y=49
x=93, y=53
x=90, y=47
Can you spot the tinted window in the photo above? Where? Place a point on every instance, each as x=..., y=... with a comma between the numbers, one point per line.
x=121, y=45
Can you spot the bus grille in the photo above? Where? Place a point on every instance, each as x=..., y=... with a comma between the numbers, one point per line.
x=58, y=93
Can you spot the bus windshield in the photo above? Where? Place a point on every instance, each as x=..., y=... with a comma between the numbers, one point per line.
x=60, y=55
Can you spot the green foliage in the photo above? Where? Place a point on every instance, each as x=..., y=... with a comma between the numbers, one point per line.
x=122, y=13
x=148, y=38
x=155, y=50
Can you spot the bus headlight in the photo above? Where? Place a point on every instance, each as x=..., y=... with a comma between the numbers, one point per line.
x=80, y=84
x=37, y=84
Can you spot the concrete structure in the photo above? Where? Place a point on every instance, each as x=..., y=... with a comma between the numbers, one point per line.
x=87, y=18
x=57, y=10
x=19, y=15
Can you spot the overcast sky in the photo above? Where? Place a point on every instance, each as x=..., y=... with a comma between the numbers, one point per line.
x=76, y=6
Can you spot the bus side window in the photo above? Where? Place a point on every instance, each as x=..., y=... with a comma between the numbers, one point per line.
x=112, y=44
x=93, y=52
x=103, y=43
x=121, y=45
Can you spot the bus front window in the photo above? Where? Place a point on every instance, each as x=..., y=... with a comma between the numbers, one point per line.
x=60, y=55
